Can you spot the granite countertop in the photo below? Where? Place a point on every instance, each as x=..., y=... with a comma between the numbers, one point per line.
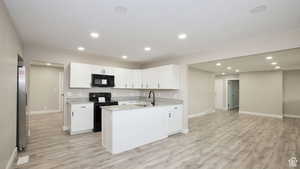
x=158, y=103
x=78, y=100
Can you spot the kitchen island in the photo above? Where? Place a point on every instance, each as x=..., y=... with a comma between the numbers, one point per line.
x=126, y=127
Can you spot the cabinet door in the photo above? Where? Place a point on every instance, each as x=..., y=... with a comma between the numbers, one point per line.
x=175, y=119
x=168, y=77
x=136, y=79
x=119, y=77
x=80, y=75
x=82, y=117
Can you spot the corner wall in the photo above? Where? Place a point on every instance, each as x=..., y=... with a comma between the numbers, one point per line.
x=262, y=93
x=201, y=91
x=9, y=49
x=291, y=85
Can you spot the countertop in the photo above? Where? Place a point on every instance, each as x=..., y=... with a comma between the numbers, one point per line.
x=140, y=106
x=82, y=100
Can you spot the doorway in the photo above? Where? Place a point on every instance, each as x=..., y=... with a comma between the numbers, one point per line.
x=233, y=95
x=46, y=96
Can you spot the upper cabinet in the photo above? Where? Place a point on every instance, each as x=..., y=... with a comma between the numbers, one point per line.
x=80, y=75
x=163, y=77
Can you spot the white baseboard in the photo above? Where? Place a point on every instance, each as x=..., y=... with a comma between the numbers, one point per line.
x=200, y=114
x=65, y=128
x=261, y=114
x=12, y=158
x=45, y=111
x=291, y=116
x=185, y=131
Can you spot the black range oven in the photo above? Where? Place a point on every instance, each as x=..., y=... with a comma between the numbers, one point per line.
x=100, y=100
x=99, y=80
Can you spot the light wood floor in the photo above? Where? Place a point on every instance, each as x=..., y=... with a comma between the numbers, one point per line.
x=219, y=140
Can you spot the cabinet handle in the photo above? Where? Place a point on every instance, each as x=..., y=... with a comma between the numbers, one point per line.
x=84, y=107
x=72, y=114
x=169, y=115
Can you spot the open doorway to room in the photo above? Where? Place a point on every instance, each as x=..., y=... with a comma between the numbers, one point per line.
x=46, y=97
x=233, y=87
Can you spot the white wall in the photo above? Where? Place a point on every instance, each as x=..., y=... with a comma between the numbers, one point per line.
x=201, y=91
x=291, y=85
x=10, y=47
x=262, y=92
x=44, y=88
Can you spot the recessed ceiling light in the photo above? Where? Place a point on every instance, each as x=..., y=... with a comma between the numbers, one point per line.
x=182, y=36
x=124, y=57
x=218, y=64
x=229, y=68
x=223, y=73
x=48, y=64
x=237, y=70
x=94, y=35
x=269, y=57
x=274, y=63
x=258, y=9
x=147, y=48
x=80, y=48
x=277, y=67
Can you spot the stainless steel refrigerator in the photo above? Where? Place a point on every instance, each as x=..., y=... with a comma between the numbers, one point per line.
x=22, y=120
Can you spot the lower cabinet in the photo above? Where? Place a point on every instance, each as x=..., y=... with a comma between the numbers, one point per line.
x=81, y=118
x=175, y=121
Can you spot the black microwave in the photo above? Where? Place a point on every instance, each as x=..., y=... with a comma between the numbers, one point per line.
x=99, y=80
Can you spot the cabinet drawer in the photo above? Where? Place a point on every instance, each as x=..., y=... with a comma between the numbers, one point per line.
x=82, y=106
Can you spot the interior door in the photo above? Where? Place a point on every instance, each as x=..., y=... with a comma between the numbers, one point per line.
x=230, y=95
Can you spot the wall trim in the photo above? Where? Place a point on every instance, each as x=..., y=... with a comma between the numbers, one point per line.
x=65, y=128
x=291, y=116
x=200, y=114
x=45, y=111
x=185, y=131
x=12, y=158
x=261, y=114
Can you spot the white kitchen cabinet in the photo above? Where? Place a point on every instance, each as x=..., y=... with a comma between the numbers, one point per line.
x=80, y=75
x=168, y=77
x=163, y=77
x=175, y=119
x=81, y=118
x=149, y=78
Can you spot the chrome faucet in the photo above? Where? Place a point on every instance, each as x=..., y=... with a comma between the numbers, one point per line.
x=153, y=97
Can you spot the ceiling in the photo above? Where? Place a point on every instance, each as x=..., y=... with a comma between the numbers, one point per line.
x=127, y=26
x=286, y=59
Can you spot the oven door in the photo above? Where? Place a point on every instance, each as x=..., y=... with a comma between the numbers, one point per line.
x=103, y=80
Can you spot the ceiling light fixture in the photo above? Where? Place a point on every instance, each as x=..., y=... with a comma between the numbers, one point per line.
x=237, y=70
x=182, y=36
x=218, y=64
x=124, y=57
x=223, y=73
x=48, y=64
x=94, y=35
x=274, y=63
x=229, y=68
x=147, y=48
x=80, y=48
x=277, y=67
x=269, y=57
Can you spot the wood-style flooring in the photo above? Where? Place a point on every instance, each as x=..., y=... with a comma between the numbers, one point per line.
x=221, y=140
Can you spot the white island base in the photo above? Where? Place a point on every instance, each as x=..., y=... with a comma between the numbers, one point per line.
x=128, y=127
